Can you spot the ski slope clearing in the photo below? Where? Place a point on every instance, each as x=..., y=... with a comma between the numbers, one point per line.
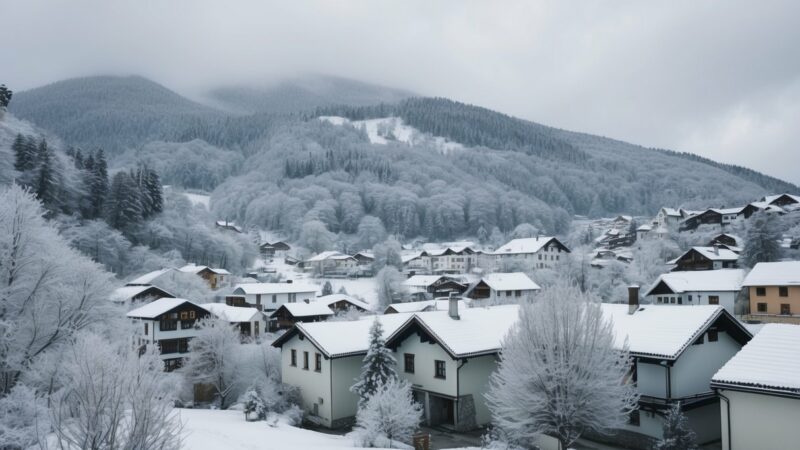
x=199, y=199
x=393, y=129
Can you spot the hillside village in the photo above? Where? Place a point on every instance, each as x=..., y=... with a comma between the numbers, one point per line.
x=694, y=330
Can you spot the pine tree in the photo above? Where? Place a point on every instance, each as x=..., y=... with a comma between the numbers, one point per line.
x=123, y=206
x=378, y=367
x=46, y=178
x=155, y=191
x=24, y=153
x=762, y=241
x=327, y=289
x=677, y=434
x=77, y=159
x=98, y=184
x=5, y=96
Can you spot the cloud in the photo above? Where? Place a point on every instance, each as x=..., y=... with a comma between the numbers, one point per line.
x=713, y=78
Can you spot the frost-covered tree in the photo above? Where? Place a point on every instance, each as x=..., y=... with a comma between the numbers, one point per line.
x=560, y=373
x=316, y=237
x=113, y=398
x=677, y=435
x=5, y=97
x=389, y=415
x=762, y=241
x=254, y=407
x=23, y=418
x=378, y=367
x=124, y=206
x=524, y=230
x=212, y=358
x=327, y=289
x=390, y=287
x=387, y=253
x=370, y=232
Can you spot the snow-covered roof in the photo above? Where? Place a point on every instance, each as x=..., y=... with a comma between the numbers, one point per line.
x=158, y=307
x=671, y=212
x=335, y=298
x=712, y=253
x=408, y=256
x=515, y=281
x=701, y=281
x=772, y=198
x=149, y=277
x=426, y=305
x=324, y=256
x=770, y=361
x=227, y=224
x=784, y=273
x=345, y=338
x=645, y=228
x=422, y=280
x=303, y=309
x=126, y=293
x=193, y=268
x=232, y=314
x=724, y=211
x=275, y=288
x=524, y=245
x=767, y=207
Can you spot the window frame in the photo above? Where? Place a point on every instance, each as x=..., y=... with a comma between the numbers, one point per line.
x=317, y=362
x=409, y=368
x=293, y=360
x=783, y=291
x=762, y=307
x=761, y=291
x=439, y=369
x=305, y=360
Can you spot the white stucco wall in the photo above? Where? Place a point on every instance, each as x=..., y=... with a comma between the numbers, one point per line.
x=727, y=299
x=692, y=372
x=759, y=421
x=313, y=385
x=651, y=379
x=280, y=299
x=474, y=379
x=423, y=376
x=345, y=373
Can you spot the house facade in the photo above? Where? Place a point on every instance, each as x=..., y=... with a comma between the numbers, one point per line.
x=270, y=296
x=449, y=260
x=498, y=288
x=432, y=286
x=215, y=277
x=250, y=322
x=170, y=324
x=774, y=290
x=541, y=252
x=718, y=287
x=332, y=264
x=706, y=258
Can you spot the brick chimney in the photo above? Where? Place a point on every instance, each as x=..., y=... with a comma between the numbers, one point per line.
x=453, y=306
x=633, y=298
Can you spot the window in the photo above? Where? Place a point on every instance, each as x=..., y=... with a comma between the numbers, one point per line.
x=517, y=293
x=713, y=299
x=305, y=360
x=192, y=315
x=187, y=324
x=680, y=300
x=294, y=358
x=783, y=291
x=274, y=298
x=761, y=291
x=258, y=299
x=169, y=325
x=292, y=297
x=317, y=362
x=408, y=362
x=690, y=297
x=712, y=336
x=255, y=328
x=786, y=310
x=761, y=307
x=439, y=369
x=184, y=315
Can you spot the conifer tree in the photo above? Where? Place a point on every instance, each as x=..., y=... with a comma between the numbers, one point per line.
x=677, y=434
x=24, y=153
x=762, y=241
x=98, y=182
x=46, y=178
x=123, y=206
x=378, y=367
x=5, y=96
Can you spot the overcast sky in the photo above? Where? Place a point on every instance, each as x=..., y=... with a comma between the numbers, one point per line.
x=717, y=78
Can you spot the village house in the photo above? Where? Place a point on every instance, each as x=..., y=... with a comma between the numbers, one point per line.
x=717, y=287
x=643, y=231
x=332, y=263
x=138, y=294
x=432, y=286
x=756, y=207
x=496, y=288
x=774, y=289
x=270, y=296
x=229, y=226
x=726, y=240
x=249, y=321
x=269, y=250
x=169, y=323
x=152, y=278
x=603, y=257
x=215, y=277
x=289, y=314
x=343, y=303
x=759, y=390
x=541, y=252
x=706, y=258
x=785, y=201
x=667, y=217
x=450, y=260
x=712, y=216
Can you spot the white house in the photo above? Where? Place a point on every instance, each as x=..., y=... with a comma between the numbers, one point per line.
x=454, y=259
x=706, y=258
x=332, y=263
x=250, y=322
x=715, y=287
x=170, y=323
x=539, y=252
x=133, y=294
x=323, y=359
x=270, y=296
x=496, y=288
x=759, y=390
x=667, y=217
x=430, y=286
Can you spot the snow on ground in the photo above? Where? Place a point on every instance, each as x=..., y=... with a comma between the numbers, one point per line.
x=357, y=287
x=384, y=130
x=207, y=429
x=199, y=199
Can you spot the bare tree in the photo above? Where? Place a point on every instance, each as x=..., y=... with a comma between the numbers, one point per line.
x=212, y=358
x=560, y=373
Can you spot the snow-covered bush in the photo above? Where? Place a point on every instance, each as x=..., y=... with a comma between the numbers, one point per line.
x=389, y=416
x=23, y=418
x=677, y=434
x=390, y=287
x=254, y=407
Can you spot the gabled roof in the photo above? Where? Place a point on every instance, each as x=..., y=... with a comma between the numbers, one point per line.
x=784, y=273
x=736, y=210
x=671, y=212
x=712, y=253
x=526, y=245
x=275, y=288
x=340, y=339
x=233, y=314
x=148, y=278
x=722, y=280
x=422, y=280
x=515, y=281
x=644, y=227
x=126, y=293
x=303, y=309
x=193, y=268
x=159, y=307
x=425, y=305
x=324, y=256
x=772, y=198
x=769, y=362
x=335, y=298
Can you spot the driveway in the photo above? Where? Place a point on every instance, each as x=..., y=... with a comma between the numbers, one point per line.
x=442, y=438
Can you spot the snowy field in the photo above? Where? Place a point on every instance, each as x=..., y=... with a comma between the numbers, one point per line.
x=393, y=129
x=199, y=199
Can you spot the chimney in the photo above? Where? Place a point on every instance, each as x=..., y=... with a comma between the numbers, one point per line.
x=716, y=249
x=453, y=306
x=633, y=298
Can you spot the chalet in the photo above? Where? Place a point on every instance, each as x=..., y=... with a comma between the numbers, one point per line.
x=615, y=238
x=787, y=201
x=151, y=278
x=603, y=257
x=268, y=250
x=424, y=306
x=756, y=207
x=759, y=390
x=228, y=226
x=270, y=296
x=322, y=359
x=249, y=321
x=450, y=260
x=432, y=286
x=643, y=231
x=497, y=288
x=289, y=314
x=667, y=217
x=726, y=240
x=215, y=277
x=364, y=258
x=343, y=302
x=774, y=289
x=332, y=263
x=541, y=252
x=705, y=258
x=717, y=287
x=413, y=263
x=138, y=294
x=169, y=323
x=712, y=216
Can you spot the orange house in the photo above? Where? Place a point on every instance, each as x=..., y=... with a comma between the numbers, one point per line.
x=774, y=289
